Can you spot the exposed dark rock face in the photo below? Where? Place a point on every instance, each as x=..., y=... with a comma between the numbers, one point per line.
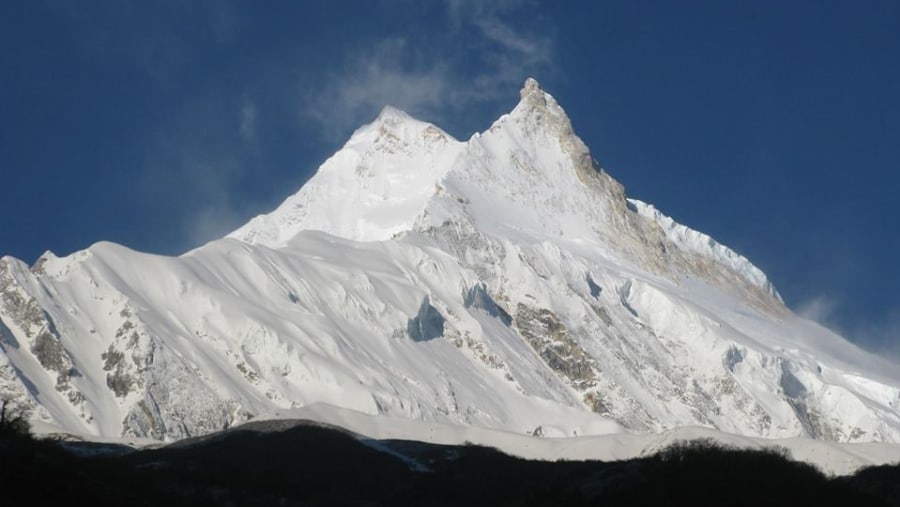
x=17, y=305
x=477, y=297
x=543, y=330
x=47, y=349
x=733, y=357
x=39, y=329
x=593, y=287
x=603, y=314
x=624, y=296
x=428, y=324
x=162, y=413
x=790, y=384
x=117, y=380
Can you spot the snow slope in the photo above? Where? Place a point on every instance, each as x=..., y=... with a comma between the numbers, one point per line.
x=503, y=283
x=832, y=458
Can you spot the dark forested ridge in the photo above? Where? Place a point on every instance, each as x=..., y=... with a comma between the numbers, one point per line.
x=309, y=464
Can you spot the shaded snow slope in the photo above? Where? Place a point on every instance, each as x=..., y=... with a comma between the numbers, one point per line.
x=503, y=283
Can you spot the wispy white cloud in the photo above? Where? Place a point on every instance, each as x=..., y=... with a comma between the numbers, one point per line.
x=375, y=79
x=210, y=142
x=881, y=336
x=533, y=50
x=247, y=113
x=195, y=162
x=214, y=221
x=821, y=309
x=433, y=77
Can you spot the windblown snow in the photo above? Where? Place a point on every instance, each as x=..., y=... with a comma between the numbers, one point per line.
x=503, y=283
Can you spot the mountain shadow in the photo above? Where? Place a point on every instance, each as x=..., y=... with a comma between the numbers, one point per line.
x=310, y=464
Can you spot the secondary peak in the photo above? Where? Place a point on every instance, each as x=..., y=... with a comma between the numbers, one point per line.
x=390, y=114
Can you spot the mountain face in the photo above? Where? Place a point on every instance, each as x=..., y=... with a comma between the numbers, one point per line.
x=505, y=282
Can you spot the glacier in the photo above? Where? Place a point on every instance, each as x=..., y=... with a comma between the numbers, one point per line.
x=505, y=283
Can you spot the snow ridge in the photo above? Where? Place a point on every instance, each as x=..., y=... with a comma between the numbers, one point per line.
x=695, y=241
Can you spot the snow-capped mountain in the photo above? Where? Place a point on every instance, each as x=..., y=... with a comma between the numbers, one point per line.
x=505, y=282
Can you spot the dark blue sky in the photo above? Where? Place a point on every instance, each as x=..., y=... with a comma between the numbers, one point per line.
x=772, y=126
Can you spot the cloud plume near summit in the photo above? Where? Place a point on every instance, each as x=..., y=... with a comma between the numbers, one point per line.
x=476, y=61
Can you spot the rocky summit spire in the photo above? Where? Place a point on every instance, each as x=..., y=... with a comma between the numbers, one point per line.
x=534, y=99
x=539, y=116
x=531, y=87
x=537, y=110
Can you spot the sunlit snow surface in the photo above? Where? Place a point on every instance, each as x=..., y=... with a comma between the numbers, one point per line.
x=504, y=283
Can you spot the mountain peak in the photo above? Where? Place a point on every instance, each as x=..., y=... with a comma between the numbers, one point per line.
x=538, y=113
x=391, y=115
x=530, y=87
x=534, y=99
x=504, y=282
x=389, y=120
x=529, y=167
x=371, y=189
